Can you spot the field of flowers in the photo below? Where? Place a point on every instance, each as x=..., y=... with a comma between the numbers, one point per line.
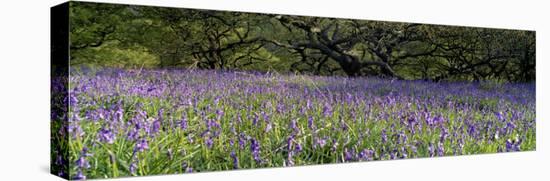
x=131, y=122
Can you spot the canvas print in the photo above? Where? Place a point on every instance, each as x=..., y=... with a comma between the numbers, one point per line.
x=144, y=90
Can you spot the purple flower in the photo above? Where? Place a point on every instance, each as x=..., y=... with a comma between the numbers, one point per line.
x=349, y=155
x=443, y=134
x=403, y=152
x=411, y=120
x=366, y=155
x=393, y=154
x=384, y=136
x=106, y=136
x=471, y=129
x=280, y=108
x=133, y=167
x=500, y=116
x=510, y=126
x=119, y=113
x=183, y=122
x=402, y=137
x=255, y=149
x=133, y=133
x=209, y=142
x=334, y=144
x=294, y=126
x=289, y=142
x=75, y=130
x=513, y=145
x=327, y=110
x=155, y=127
x=256, y=119
x=79, y=175
x=440, y=149
x=242, y=141
x=141, y=145
x=81, y=162
x=219, y=114
x=235, y=160
x=321, y=142
x=186, y=167
x=431, y=150
x=310, y=123
x=414, y=150
x=298, y=147
x=308, y=104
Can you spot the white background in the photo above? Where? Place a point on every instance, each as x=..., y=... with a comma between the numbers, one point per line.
x=24, y=88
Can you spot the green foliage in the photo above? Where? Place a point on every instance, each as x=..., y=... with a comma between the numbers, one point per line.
x=113, y=56
x=310, y=45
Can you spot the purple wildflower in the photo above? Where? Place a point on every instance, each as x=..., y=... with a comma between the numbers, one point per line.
x=471, y=129
x=106, y=136
x=294, y=126
x=298, y=147
x=183, y=122
x=82, y=164
x=133, y=167
x=440, y=149
x=235, y=160
x=141, y=145
x=310, y=123
x=209, y=142
x=384, y=136
x=443, y=134
x=393, y=154
x=513, y=145
x=186, y=167
x=366, y=155
x=349, y=155
x=255, y=149
x=403, y=152
x=327, y=110
x=242, y=140
x=219, y=114
x=431, y=150
x=133, y=133
x=155, y=127
x=500, y=116
x=402, y=137
x=79, y=175
x=321, y=142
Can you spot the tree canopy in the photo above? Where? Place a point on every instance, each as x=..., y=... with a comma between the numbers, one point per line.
x=130, y=36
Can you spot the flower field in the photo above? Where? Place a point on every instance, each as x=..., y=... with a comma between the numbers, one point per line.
x=131, y=122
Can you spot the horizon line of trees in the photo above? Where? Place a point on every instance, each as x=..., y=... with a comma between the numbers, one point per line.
x=142, y=36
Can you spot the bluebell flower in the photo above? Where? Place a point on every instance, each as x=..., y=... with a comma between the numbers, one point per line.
x=141, y=145
x=183, y=122
x=106, y=136
x=431, y=150
x=235, y=160
x=310, y=122
x=255, y=149
x=209, y=142
x=384, y=136
x=440, y=149
x=79, y=176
